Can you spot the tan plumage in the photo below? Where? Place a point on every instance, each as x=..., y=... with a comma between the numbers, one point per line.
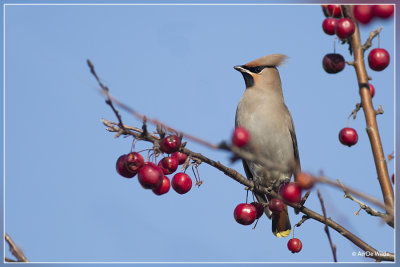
x=262, y=111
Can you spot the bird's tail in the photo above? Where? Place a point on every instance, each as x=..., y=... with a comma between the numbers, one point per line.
x=281, y=224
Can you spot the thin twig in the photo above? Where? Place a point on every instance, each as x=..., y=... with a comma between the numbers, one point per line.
x=333, y=246
x=303, y=219
x=322, y=179
x=9, y=260
x=367, y=208
x=18, y=254
x=371, y=36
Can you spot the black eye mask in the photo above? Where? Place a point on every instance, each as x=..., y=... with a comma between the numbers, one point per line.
x=257, y=69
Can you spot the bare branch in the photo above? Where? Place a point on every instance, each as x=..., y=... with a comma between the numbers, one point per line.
x=372, y=35
x=18, y=254
x=263, y=190
x=333, y=246
x=368, y=209
x=138, y=133
x=322, y=179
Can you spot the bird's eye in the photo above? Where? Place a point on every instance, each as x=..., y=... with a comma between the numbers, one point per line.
x=257, y=69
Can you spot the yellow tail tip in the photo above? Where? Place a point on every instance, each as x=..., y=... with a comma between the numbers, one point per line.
x=282, y=234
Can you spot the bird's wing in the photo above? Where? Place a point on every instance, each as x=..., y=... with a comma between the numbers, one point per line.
x=295, y=148
x=260, y=198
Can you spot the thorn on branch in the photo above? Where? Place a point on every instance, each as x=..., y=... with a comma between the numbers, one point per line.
x=350, y=63
x=187, y=163
x=304, y=199
x=372, y=35
x=303, y=219
x=356, y=109
x=390, y=156
x=144, y=126
x=160, y=131
x=379, y=111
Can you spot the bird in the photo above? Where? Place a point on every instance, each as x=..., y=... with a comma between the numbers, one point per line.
x=263, y=113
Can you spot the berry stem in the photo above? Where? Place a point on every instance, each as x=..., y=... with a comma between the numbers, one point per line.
x=334, y=45
x=379, y=40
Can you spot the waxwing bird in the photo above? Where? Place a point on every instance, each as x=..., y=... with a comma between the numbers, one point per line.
x=262, y=111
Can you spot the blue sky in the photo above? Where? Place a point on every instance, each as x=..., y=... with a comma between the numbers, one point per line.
x=64, y=201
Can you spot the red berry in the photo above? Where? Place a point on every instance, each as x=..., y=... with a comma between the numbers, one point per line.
x=291, y=192
x=378, y=59
x=163, y=188
x=329, y=25
x=304, y=180
x=170, y=144
x=164, y=170
x=363, y=13
x=240, y=137
x=245, y=213
x=348, y=136
x=344, y=28
x=334, y=11
x=294, y=245
x=276, y=205
x=383, y=11
x=259, y=209
x=333, y=63
x=371, y=90
x=150, y=176
x=393, y=178
x=134, y=161
x=181, y=183
x=180, y=156
x=122, y=168
x=170, y=164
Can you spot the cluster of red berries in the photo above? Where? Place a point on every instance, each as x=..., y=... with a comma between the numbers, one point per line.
x=246, y=214
x=365, y=13
x=378, y=58
x=153, y=176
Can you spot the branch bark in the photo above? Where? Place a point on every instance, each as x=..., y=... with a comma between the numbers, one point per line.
x=370, y=114
x=144, y=135
x=372, y=252
x=18, y=254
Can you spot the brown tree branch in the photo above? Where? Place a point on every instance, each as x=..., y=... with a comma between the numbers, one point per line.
x=18, y=254
x=144, y=135
x=368, y=209
x=326, y=228
x=372, y=252
x=372, y=35
x=370, y=115
x=8, y=260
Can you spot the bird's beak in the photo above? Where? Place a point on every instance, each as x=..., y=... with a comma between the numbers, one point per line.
x=239, y=68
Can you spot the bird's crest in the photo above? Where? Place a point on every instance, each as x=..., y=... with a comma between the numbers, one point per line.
x=273, y=60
